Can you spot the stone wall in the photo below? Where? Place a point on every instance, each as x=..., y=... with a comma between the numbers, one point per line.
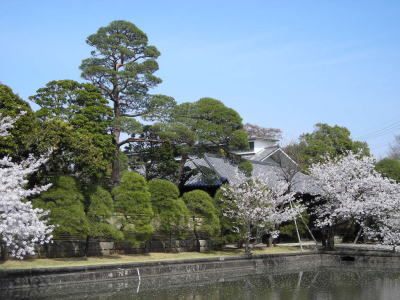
x=76, y=248
x=232, y=266
x=61, y=282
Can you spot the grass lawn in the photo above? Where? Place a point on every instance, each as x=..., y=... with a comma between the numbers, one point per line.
x=131, y=258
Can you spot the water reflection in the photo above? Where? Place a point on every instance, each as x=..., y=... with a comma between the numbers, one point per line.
x=319, y=283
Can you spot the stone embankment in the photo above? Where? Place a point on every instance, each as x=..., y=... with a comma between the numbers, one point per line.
x=31, y=282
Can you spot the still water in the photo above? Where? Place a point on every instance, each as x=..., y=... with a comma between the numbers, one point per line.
x=320, y=283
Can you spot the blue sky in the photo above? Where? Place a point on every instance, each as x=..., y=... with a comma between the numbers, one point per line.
x=283, y=64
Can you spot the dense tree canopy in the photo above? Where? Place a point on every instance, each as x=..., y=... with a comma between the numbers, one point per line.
x=206, y=125
x=389, y=167
x=75, y=123
x=156, y=159
x=324, y=141
x=18, y=143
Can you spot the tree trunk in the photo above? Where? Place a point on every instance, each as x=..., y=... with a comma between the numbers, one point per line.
x=87, y=246
x=196, y=234
x=247, y=249
x=3, y=250
x=270, y=241
x=328, y=235
x=179, y=173
x=115, y=172
x=358, y=236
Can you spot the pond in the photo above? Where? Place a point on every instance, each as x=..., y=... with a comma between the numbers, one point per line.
x=345, y=282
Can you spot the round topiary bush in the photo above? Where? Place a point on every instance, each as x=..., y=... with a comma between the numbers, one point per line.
x=203, y=213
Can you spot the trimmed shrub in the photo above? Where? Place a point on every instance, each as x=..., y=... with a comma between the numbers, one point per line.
x=99, y=212
x=132, y=202
x=170, y=211
x=203, y=213
x=65, y=203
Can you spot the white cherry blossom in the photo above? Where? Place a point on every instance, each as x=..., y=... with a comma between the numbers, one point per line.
x=351, y=189
x=21, y=225
x=253, y=204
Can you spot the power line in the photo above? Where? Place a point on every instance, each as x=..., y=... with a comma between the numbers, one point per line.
x=383, y=131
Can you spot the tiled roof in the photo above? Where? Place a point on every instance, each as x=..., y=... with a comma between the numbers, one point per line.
x=226, y=171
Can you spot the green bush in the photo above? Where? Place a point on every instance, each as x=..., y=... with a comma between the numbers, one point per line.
x=203, y=213
x=229, y=232
x=65, y=203
x=288, y=229
x=246, y=167
x=132, y=202
x=170, y=211
x=100, y=209
x=162, y=191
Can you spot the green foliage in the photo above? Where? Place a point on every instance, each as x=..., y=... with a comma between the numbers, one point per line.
x=122, y=66
x=289, y=228
x=206, y=125
x=65, y=203
x=389, y=168
x=132, y=201
x=170, y=211
x=19, y=143
x=123, y=42
x=324, y=141
x=81, y=104
x=76, y=213
x=229, y=226
x=75, y=121
x=162, y=193
x=156, y=159
x=99, y=212
x=246, y=167
x=210, y=121
x=202, y=212
x=123, y=161
x=239, y=140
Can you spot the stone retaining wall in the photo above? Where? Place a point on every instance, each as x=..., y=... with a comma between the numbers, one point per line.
x=76, y=248
x=32, y=278
x=162, y=273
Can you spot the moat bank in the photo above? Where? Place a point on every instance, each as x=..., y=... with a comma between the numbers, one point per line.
x=164, y=271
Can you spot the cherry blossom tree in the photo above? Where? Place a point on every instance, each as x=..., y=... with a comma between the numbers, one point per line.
x=21, y=225
x=386, y=230
x=351, y=190
x=252, y=204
